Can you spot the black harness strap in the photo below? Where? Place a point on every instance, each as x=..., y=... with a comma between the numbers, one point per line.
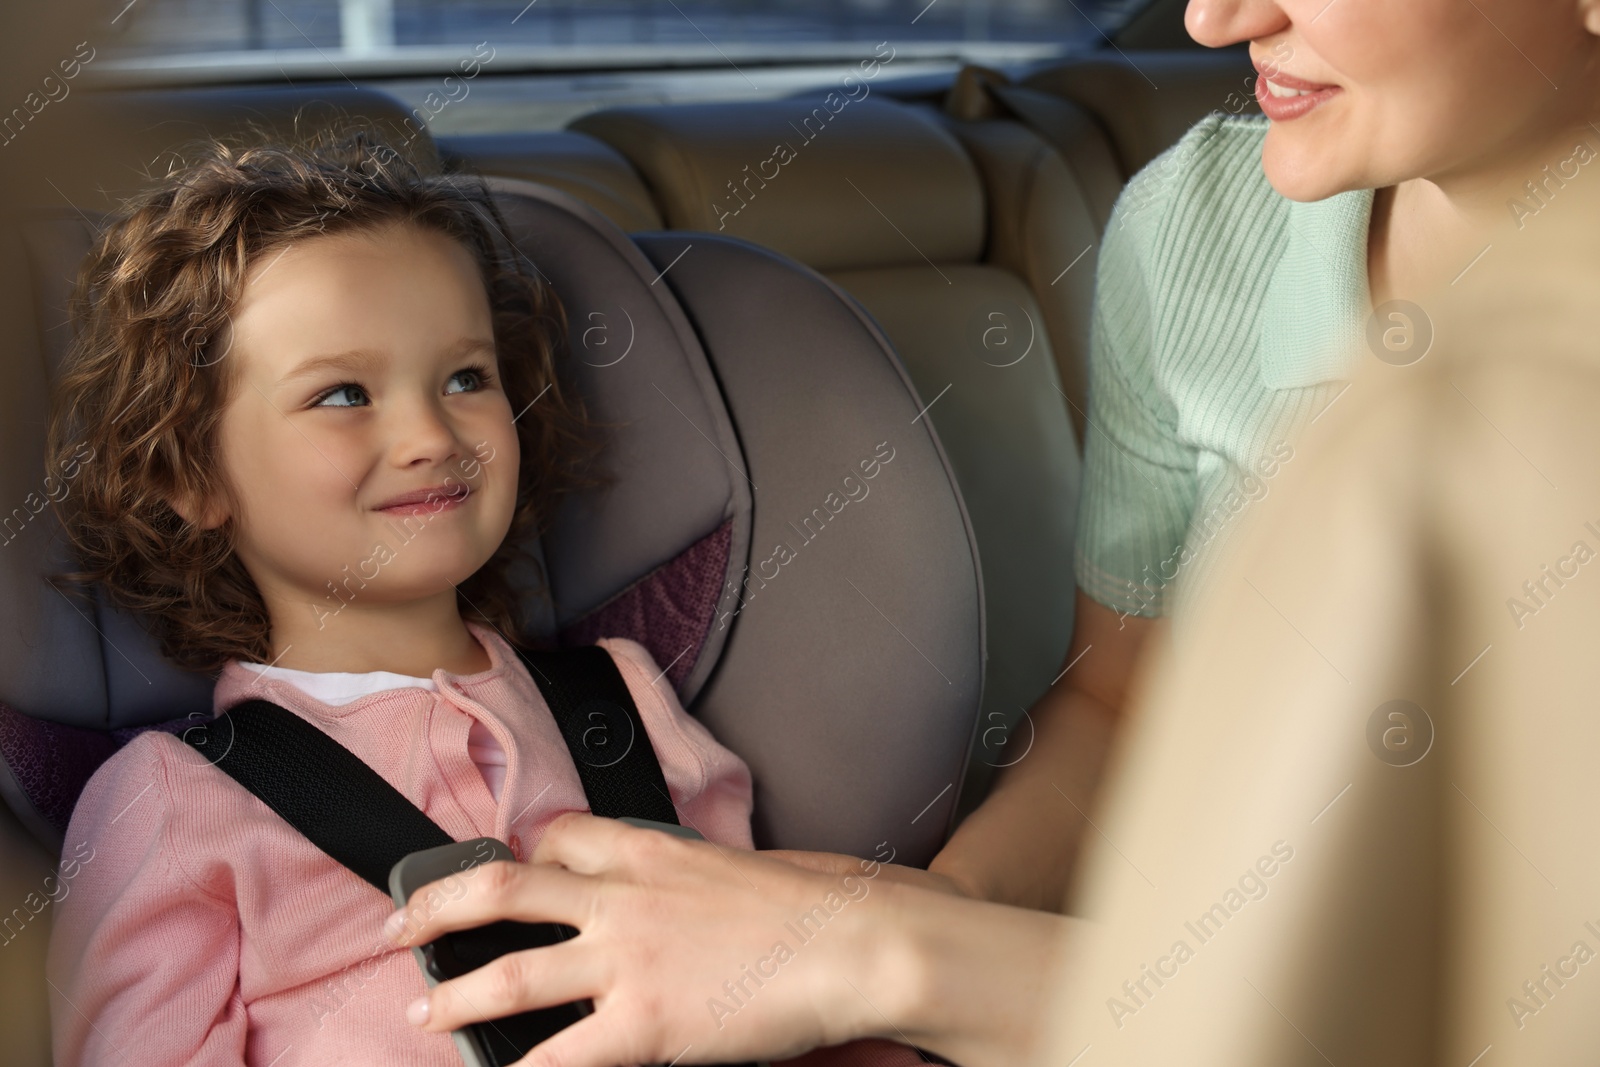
x=349, y=811
x=319, y=787
x=598, y=719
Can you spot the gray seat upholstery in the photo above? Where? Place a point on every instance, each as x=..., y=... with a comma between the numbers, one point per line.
x=886, y=201
x=815, y=687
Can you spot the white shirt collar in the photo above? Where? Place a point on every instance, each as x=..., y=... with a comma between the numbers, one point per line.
x=336, y=687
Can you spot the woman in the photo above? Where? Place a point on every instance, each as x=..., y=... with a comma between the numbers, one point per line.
x=1227, y=309
x=1404, y=144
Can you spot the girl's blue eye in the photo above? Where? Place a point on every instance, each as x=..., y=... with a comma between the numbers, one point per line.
x=355, y=396
x=477, y=375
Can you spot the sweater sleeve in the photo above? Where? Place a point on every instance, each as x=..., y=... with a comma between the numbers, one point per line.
x=143, y=964
x=710, y=786
x=1139, y=481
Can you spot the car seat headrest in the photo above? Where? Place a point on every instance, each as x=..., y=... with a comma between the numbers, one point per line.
x=833, y=181
x=589, y=169
x=647, y=556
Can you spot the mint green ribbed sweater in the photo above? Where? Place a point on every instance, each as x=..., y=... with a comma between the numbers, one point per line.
x=1225, y=315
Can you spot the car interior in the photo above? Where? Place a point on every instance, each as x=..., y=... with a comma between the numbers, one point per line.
x=879, y=269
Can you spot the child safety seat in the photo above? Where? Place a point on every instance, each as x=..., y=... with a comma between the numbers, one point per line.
x=782, y=532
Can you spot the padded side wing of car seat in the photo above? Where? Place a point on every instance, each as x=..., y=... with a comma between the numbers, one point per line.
x=669, y=445
x=853, y=668
x=93, y=668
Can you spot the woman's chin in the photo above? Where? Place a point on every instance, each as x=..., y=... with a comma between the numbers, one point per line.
x=1300, y=175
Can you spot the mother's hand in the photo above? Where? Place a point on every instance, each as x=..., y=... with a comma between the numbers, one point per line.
x=692, y=953
x=888, y=871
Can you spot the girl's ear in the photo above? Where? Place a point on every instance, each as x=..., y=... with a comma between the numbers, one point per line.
x=207, y=515
x=1589, y=11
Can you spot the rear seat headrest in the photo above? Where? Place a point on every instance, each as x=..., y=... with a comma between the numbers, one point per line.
x=588, y=169
x=835, y=182
x=137, y=134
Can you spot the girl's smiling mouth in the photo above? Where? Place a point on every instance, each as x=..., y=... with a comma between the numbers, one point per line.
x=431, y=500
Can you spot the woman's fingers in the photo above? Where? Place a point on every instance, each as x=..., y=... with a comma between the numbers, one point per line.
x=595, y=1041
x=579, y=842
x=821, y=862
x=515, y=983
x=588, y=844
x=528, y=892
x=837, y=863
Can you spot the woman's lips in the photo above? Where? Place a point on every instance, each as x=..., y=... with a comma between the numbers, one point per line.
x=1283, y=98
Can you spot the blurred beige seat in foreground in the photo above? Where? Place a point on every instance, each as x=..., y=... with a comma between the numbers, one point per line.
x=1288, y=873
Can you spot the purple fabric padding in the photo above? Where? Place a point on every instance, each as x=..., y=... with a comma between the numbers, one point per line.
x=670, y=610
x=52, y=763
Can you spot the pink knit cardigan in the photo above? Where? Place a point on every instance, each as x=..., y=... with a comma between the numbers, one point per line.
x=202, y=929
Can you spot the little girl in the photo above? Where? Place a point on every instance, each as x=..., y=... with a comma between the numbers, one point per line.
x=292, y=365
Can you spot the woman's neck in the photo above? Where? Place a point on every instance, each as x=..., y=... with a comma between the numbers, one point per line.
x=1428, y=234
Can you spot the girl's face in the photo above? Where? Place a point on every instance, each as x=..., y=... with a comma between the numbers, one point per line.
x=365, y=372
x=1402, y=89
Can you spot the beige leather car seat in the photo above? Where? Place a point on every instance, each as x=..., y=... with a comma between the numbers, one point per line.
x=1055, y=150
x=1147, y=100
x=583, y=167
x=1048, y=199
x=118, y=140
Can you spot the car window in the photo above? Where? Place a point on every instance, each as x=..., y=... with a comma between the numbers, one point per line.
x=781, y=28
x=552, y=60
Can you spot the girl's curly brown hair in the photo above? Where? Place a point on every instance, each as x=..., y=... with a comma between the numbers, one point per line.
x=144, y=391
